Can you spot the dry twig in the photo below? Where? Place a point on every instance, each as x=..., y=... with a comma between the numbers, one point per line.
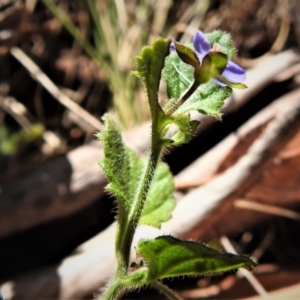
x=46, y=82
x=249, y=276
x=267, y=209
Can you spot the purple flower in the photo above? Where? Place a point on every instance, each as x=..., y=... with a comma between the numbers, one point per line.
x=232, y=73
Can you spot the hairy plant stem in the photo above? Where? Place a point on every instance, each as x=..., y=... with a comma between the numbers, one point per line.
x=127, y=226
x=165, y=290
x=119, y=286
x=113, y=290
x=188, y=93
x=125, y=233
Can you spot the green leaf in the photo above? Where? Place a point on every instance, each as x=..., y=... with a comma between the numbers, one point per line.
x=187, y=55
x=136, y=165
x=171, y=257
x=231, y=84
x=160, y=201
x=213, y=65
x=224, y=40
x=208, y=99
x=185, y=134
x=149, y=65
x=123, y=169
x=178, y=75
x=186, y=129
x=120, y=165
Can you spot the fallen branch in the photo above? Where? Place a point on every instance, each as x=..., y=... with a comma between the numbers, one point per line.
x=89, y=120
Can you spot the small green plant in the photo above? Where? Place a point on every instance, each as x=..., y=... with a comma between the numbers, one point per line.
x=14, y=143
x=198, y=77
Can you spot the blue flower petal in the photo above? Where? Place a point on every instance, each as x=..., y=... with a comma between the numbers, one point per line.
x=218, y=82
x=234, y=73
x=201, y=44
x=172, y=47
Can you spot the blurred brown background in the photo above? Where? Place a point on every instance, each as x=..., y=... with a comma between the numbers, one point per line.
x=63, y=64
